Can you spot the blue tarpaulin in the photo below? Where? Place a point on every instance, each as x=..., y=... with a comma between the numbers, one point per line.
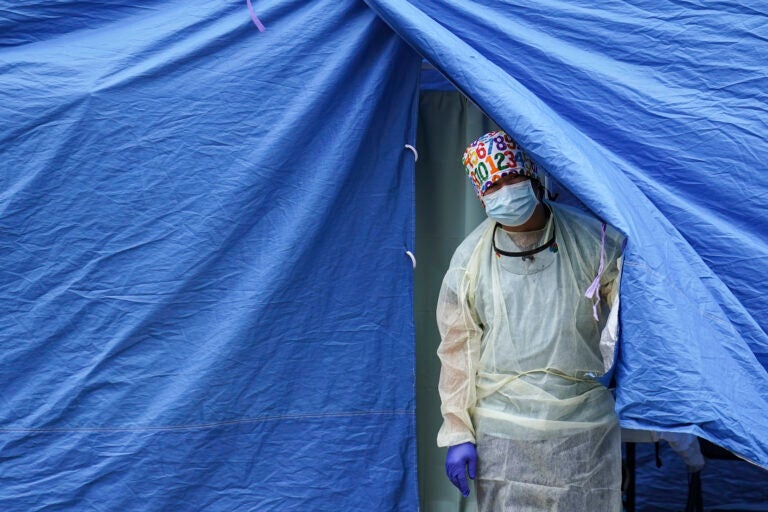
x=206, y=299
x=206, y=302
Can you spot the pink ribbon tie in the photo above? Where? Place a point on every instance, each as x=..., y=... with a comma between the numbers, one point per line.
x=254, y=17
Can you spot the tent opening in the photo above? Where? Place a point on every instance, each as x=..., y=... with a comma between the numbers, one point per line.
x=446, y=212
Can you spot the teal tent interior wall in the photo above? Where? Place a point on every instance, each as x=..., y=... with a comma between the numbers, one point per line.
x=446, y=211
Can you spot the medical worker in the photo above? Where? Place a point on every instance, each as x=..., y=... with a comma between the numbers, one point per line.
x=521, y=313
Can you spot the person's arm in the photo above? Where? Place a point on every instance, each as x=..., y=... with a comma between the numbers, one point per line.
x=460, y=333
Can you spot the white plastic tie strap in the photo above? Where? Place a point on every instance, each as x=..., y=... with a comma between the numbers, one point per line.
x=415, y=153
x=413, y=258
x=593, y=292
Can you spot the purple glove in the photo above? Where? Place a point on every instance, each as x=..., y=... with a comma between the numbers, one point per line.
x=461, y=458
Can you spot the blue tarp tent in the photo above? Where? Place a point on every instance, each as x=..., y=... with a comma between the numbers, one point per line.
x=206, y=302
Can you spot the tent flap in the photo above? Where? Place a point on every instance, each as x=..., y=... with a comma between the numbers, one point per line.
x=205, y=292
x=651, y=115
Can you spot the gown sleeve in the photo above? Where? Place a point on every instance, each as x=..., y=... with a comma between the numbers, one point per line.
x=609, y=291
x=460, y=333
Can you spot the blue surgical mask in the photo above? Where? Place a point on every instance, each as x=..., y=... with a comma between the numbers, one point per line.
x=511, y=205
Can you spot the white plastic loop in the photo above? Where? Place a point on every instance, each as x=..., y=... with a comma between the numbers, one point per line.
x=415, y=153
x=413, y=258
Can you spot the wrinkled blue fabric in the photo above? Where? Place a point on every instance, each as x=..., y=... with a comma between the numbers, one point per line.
x=203, y=230
x=726, y=484
x=206, y=301
x=653, y=115
x=461, y=460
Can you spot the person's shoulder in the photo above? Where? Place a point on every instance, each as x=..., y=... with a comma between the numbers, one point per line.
x=575, y=216
x=585, y=226
x=465, y=249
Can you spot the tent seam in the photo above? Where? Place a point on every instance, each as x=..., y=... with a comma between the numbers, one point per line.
x=204, y=426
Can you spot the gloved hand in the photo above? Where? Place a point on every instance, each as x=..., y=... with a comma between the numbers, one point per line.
x=460, y=459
